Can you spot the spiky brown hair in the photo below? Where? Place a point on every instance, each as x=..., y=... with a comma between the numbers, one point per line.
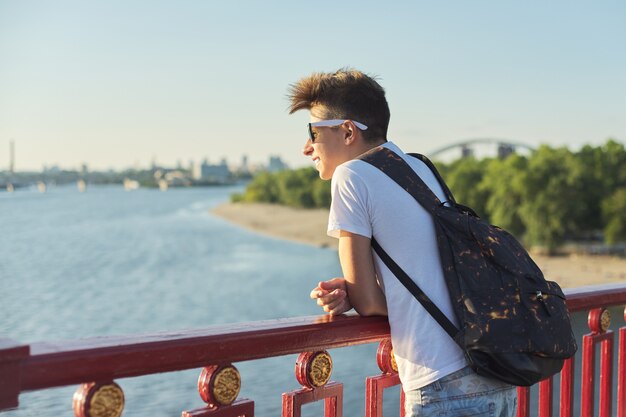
x=344, y=94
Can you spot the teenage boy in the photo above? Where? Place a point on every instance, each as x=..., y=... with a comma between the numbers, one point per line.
x=349, y=115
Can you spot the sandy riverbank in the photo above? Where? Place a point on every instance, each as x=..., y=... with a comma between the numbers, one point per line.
x=309, y=226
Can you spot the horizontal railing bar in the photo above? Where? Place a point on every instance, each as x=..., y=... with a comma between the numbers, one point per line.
x=595, y=296
x=108, y=358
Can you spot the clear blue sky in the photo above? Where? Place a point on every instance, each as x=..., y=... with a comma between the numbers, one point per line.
x=116, y=83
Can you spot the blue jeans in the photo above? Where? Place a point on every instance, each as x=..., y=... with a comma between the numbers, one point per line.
x=462, y=393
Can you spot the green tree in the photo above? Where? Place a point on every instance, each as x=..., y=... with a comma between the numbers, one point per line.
x=551, y=194
x=594, y=184
x=614, y=211
x=295, y=187
x=463, y=177
x=614, y=164
x=321, y=193
x=604, y=172
x=262, y=189
x=503, y=185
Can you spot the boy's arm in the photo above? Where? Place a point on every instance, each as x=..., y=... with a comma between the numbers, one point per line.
x=364, y=293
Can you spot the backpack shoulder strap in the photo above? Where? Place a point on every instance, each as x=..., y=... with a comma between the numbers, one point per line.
x=444, y=186
x=398, y=170
x=417, y=292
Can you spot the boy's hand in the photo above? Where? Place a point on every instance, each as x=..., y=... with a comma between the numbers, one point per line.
x=332, y=296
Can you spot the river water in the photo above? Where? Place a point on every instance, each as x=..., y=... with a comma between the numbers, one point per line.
x=111, y=262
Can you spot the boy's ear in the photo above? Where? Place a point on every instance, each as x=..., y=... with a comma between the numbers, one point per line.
x=348, y=134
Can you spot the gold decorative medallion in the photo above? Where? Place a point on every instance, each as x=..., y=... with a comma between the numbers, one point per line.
x=98, y=400
x=226, y=385
x=108, y=401
x=605, y=321
x=321, y=366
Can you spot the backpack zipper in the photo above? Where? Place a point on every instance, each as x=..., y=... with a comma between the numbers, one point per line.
x=539, y=295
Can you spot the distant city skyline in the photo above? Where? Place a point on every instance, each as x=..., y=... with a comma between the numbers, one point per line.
x=241, y=162
x=115, y=84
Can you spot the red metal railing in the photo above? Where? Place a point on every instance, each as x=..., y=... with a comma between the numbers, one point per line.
x=99, y=361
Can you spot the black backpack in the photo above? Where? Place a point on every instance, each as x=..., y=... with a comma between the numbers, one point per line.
x=514, y=325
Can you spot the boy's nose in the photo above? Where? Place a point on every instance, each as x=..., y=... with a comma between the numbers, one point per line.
x=308, y=148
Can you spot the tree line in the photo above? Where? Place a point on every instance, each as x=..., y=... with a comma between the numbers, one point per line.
x=547, y=198
x=300, y=188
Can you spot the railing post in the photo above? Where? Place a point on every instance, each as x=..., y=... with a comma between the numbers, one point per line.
x=546, y=400
x=567, y=389
x=523, y=402
x=12, y=354
x=621, y=372
x=375, y=385
x=313, y=371
x=599, y=321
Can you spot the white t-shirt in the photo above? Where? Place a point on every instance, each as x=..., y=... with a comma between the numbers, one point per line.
x=365, y=201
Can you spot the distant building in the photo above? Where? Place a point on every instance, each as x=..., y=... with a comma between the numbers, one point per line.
x=276, y=164
x=244, y=168
x=466, y=152
x=504, y=150
x=214, y=173
x=12, y=157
